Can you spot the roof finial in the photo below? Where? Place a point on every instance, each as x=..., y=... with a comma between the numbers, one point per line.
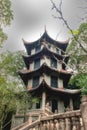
x=45, y=28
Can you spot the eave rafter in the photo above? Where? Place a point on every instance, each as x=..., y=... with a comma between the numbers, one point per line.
x=45, y=87
x=44, y=52
x=45, y=69
x=47, y=38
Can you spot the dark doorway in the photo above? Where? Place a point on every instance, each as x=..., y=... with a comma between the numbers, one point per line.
x=54, y=105
x=38, y=105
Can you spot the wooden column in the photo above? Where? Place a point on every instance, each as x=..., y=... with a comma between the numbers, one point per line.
x=60, y=106
x=43, y=100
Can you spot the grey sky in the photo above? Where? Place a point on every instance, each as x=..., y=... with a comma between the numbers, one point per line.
x=31, y=16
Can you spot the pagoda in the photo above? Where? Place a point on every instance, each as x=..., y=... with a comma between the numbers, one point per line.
x=46, y=76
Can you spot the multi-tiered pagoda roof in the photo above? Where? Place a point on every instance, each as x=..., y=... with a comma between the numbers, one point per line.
x=46, y=41
x=45, y=38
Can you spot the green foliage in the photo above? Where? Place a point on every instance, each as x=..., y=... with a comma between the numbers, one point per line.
x=7, y=86
x=10, y=85
x=78, y=59
x=75, y=32
x=11, y=63
x=5, y=12
x=80, y=80
x=5, y=17
x=81, y=37
x=82, y=28
x=3, y=36
x=7, y=99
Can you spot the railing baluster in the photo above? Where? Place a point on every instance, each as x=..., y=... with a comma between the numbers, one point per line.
x=81, y=123
x=68, y=124
x=78, y=126
x=39, y=127
x=56, y=124
x=30, y=119
x=74, y=123
x=51, y=125
x=44, y=125
x=63, y=124
x=60, y=124
x=48, y=125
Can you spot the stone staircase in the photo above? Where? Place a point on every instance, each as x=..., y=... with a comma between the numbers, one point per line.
x=63, y=121
x=69, y=120
x=39, y=113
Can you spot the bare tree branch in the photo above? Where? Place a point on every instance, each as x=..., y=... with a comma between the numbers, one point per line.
x=60, y=5
x=61, y=17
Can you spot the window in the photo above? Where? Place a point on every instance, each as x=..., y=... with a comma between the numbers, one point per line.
x=57, y=50
x=54, y=81
x=35, y=81
x=53, y=63
x=37, y=48
x=49, y=46
x=36, y=63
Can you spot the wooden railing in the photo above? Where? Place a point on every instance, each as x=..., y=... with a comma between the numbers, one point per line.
x=64, y=121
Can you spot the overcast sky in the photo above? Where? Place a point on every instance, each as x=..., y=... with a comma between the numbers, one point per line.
x=31, y=17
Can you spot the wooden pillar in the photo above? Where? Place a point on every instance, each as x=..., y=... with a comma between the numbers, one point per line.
x=60, y=106
x=43, y=100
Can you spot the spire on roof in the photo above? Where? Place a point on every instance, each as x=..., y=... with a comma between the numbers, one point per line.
x=44, y=28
